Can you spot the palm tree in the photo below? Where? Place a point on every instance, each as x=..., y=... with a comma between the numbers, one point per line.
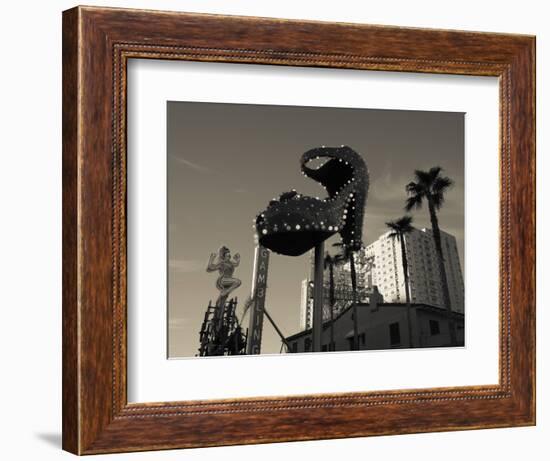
x=348, y=255
x=330, y=261
x=400, y=227
x=430, y=186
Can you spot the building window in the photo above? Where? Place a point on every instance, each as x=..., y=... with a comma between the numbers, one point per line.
x=395, y=335
x=294, y=347
x=307, y=345
x=434, y=327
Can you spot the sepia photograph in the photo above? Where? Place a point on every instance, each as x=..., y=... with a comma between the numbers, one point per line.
x=283, y=230
x=280, y=230
x=313, y=229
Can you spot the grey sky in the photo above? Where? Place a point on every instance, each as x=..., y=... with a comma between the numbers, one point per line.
x=226, y=161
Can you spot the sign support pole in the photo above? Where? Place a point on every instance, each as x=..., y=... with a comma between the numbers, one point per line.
x=318, y=296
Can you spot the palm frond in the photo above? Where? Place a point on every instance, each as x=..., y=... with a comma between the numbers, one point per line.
x=392, y=225
x=438, y=200
x=404, y=223
x=328, y=260
x=434, y=173
x=416, y=192
x=441, y=184
x=342, y=253
x=414, y=202
x=400, y=226
x=340, y=259
x=414, y=188
x=422, y=177
x=429, y=184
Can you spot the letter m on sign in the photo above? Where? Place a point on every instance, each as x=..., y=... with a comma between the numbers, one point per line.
x=259, y=284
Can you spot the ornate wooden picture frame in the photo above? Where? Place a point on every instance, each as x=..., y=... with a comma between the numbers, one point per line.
x=97, y=44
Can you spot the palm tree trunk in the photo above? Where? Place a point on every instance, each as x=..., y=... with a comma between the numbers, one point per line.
x=407, y=286
x=445, y=286
x=331, y=301
x=405, y=268
x=353, y=275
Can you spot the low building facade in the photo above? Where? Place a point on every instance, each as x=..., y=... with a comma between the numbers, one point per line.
x=383, y=326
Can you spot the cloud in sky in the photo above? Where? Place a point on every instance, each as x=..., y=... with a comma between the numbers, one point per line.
x=192, y=165
x=388, y=187
x=187, y=265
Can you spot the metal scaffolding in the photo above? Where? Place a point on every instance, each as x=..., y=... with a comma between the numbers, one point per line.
x=221, y=333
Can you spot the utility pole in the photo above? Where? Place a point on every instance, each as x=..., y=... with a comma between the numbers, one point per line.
x=318, y=296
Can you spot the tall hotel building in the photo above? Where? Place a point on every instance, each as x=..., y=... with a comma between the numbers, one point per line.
x=380, y=264
x=425, y=281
